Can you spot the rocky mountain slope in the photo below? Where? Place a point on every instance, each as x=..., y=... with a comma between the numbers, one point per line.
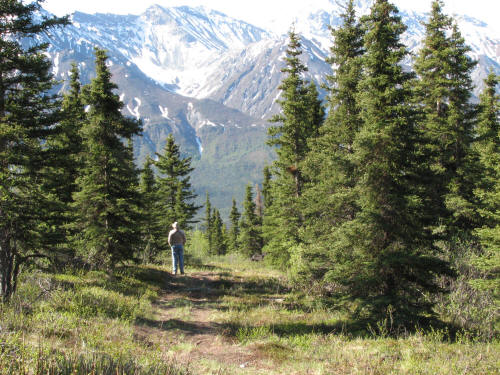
x=213, y=80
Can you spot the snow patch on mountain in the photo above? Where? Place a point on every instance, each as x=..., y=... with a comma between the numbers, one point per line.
x=135, y=111
x=200, y=147
x=55, y=64
x=164, y=112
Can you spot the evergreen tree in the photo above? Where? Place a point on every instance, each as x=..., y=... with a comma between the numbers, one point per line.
x=28, y=116
x=181, y=208
x=250, y=238
x=343, y=120
x=266, y=187
x=315, y=115
x=234, y=218
x=259, y=205
x=66, y=144
x=300, y=120
x=444, y=92
x=488, y=145
x=130, y=179
x=329, y=199
x=225, y=239
x=219, y=238
x=174, y=187
x=383, y=255
x=151, y=230
x=63, y=150
x=209, y=224
x=106, y=200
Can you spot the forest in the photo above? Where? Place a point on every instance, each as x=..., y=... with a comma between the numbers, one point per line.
x=383, y=201
x=386, y=196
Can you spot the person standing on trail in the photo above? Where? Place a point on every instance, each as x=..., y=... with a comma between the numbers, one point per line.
x=177, y=240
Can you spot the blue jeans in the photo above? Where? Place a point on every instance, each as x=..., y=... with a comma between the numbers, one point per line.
x=177, y=258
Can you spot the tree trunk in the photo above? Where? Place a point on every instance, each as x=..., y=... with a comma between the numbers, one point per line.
x=6, y=267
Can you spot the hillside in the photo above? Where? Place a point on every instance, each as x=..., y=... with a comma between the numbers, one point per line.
x=180, y=69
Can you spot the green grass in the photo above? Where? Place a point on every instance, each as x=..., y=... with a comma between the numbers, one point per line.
x=226, y=316
x=83, y=323
x=292, y=332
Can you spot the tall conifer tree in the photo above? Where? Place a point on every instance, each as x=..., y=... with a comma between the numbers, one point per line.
x=175, y=194
x=488, y=146
x=219, y=234
x=106, y=200
x=151, y=230
x=64, y=157
x=329, y=199
x=444, y=90
x=259, y=204
x=174, y=187
x=384, y=255
x=250, y=238
x=28, y=116
x=266, y=187
x=66, y=144
x=301, y=117
x=234, y=218
x=208, y=223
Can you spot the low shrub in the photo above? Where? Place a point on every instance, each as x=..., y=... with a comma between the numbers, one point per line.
x=90, y=302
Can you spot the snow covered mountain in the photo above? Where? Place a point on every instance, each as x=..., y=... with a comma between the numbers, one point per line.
x=213, y=80
x=204, y=54
x=485, y=43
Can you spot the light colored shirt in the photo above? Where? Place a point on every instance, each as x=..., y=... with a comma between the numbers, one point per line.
x=176, y=237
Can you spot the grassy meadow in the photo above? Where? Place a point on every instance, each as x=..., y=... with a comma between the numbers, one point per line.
x=227, y=315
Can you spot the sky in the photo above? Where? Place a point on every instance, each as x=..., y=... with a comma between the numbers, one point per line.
x=276, y=14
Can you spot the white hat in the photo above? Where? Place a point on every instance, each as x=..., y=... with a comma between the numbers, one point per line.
x=174, y=225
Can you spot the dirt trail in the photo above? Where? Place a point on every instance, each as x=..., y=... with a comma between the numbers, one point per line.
x=186, y=324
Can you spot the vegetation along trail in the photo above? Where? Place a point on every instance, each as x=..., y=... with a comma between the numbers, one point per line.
x=234, y=316
x=227, y=315
x=196, y=318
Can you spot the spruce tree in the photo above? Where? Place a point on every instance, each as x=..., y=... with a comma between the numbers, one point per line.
x=329, y=199
x=300, y=119
x=106, y=200
x=219, y=234
x=266, y=187
x=250, y=238
x=383, y=255
x=488, y=147
x=65, y=145
x=63, y=150
x=259, y=204
x=301, y=115
x=225, y=239
x=68, y=141
x=181, y=208
x=28, y=116
x=151, y=230
x=444, y=90
x=343, y=120
x=208, y=224
x=234, y=218
x=174, y=187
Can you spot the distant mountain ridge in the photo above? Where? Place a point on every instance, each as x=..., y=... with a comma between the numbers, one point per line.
x=213, y=81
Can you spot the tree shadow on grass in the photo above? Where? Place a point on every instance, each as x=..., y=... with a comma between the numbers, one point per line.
x=349, y=328
x=149, y=275
x=205, y=292
x=184, y=327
